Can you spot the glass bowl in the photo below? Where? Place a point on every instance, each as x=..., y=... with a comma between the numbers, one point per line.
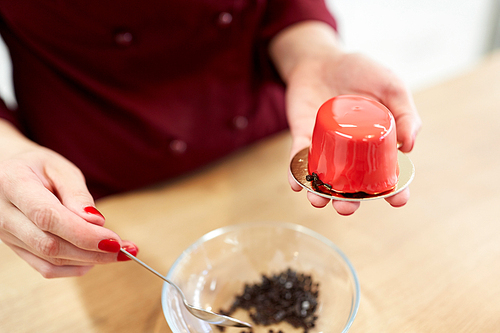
x=213, y=270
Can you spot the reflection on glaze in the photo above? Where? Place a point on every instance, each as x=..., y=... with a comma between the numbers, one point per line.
x=354, y=145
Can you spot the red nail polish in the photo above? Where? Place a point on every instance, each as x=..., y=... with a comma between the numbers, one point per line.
x=130, y=249
x=93, y=210
x=109, y=245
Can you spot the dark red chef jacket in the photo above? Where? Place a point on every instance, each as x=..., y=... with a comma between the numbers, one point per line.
x=139, y=91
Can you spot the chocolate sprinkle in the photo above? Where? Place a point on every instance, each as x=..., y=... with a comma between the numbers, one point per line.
x=325, y=188
x=285, y=297
x=317, y=184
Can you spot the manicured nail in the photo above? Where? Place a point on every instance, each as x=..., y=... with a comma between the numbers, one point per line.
x=93, y=210
x=109, y=245
x=130, y=249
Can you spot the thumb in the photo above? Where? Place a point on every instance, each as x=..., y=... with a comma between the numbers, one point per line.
x=407, y=127
x=298, y=143
x=408, y=121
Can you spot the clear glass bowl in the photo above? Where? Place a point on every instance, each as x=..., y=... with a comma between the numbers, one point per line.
x=213, y=270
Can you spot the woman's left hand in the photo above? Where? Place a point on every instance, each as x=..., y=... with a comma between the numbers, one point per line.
x=315, y=70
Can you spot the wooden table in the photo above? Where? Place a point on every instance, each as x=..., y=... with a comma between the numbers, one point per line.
x=431, y=266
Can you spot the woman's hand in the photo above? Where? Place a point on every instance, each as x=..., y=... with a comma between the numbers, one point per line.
x=315, y=70
x=47, y=215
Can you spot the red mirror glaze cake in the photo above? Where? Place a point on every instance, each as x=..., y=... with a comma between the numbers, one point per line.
x=354, y=146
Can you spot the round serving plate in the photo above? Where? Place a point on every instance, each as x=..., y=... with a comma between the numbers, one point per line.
x=299, y=171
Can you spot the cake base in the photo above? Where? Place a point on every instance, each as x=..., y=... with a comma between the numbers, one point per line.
x=299, y=170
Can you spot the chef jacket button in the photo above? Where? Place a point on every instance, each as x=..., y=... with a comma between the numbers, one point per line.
x=224, y=19
x=178, y=146
x=124, y=38
x=240, y=122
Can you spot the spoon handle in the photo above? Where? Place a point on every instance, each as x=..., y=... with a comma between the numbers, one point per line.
x=143, y=264
x=202, y=314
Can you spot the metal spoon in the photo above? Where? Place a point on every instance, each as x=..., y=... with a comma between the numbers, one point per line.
x=206, y=315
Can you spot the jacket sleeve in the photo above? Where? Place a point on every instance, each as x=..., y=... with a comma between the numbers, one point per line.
x=283, y=13
x=8, y=114
x=280, y=14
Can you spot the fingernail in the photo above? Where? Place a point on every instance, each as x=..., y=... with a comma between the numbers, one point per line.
x=130, y=249
x=109, y=245
x=93, y=210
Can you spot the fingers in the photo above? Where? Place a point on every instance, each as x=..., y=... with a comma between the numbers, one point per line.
x=400, y=199
x=316, y=200
x=293, y=184
x=46, y=212
x=344, y=208
x=298, y=143
x=49, y=219
x=347, y=208
x=19, y=231
x=48, y=270
x=53, y=267
x=68, y=184
x=51, y=237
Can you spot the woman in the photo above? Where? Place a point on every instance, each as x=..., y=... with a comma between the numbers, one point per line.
x=113, y=96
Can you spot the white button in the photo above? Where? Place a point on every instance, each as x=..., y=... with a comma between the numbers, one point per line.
x=178, y=146
x=225, y=19
x=240, y=122
x=124, y=38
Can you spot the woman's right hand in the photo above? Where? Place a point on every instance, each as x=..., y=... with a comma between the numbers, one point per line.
x=47, y=215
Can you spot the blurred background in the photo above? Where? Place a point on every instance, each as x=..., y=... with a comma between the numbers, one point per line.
x=424, y=41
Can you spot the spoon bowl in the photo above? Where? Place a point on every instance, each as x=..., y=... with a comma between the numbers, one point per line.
x=205, y=315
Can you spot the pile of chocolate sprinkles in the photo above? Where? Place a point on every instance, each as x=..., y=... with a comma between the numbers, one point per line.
x=285, y=297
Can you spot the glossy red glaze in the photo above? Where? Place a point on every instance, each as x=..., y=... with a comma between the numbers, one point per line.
x=354, y=146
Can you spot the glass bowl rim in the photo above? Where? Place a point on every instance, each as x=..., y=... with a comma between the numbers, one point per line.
x=286, y=225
